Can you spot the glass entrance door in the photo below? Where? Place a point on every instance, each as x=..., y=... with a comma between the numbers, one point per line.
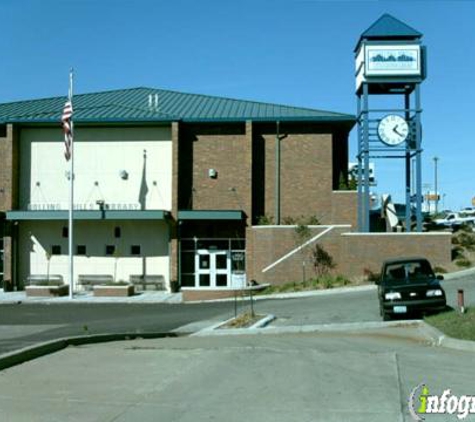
x=212, y=268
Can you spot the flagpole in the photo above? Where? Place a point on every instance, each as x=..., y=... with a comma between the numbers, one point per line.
x=71, y=198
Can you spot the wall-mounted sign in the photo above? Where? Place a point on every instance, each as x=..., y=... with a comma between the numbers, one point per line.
x=86, y=206
x=392, y=60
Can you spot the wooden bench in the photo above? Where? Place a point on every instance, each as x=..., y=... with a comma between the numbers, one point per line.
x=88, y=281
x=148, y=282
x=44, y=280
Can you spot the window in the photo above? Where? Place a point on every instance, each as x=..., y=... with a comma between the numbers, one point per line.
x=110, y=249
x=56, y=250
x=81, y=250
x=117, y=232
x=65, y=232
x=135, y=250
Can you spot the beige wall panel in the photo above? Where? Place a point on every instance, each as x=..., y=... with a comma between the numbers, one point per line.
x=101, y=154
x=36, y=238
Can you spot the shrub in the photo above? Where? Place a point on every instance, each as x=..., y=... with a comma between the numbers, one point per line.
x=440, y=270
x=466, y=240
x=457, y=253
x=322, y=261
x=465, y=263
x=288, y=221
x=327, y=282
x=370, y=275
x=265, y=220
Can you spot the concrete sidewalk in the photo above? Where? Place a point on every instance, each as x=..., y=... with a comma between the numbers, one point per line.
x=88, y=297
x=327, y=376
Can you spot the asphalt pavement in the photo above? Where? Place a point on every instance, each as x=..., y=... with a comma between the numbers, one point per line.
x=356, y=368
x=335, y=376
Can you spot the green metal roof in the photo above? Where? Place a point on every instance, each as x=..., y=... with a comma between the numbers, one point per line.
x=133, y=105
x=387, y=27
x=210, y=215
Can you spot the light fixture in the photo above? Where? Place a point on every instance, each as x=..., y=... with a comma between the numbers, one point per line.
x=123, y=175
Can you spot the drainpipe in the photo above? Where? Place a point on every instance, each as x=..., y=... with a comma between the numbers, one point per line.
x=277, y=174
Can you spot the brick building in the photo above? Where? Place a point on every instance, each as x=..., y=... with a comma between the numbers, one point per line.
x=174, y=185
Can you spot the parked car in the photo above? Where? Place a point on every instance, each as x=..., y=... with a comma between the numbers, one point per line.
x=409, y=286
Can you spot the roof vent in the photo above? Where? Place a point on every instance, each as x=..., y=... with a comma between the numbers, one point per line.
x=153, y=101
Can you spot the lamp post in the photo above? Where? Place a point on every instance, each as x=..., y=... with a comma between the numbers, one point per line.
x=436, y=159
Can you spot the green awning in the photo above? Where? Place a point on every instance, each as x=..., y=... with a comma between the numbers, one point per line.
x=89, y=215
x=210, y=215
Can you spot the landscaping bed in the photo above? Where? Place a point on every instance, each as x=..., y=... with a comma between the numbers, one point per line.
x=244, y=320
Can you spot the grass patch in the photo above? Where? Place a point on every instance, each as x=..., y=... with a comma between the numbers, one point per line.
x=324, y=282
x=455, y=324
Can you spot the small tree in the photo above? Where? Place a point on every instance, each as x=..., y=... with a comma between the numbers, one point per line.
x=342, y=183
x=322, y=261
x=302, y=234
x=352, y=184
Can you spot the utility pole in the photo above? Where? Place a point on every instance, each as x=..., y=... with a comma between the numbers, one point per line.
x=436, y=159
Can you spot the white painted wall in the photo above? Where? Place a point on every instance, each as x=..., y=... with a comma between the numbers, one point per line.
x=37, y=237
x=100, y=155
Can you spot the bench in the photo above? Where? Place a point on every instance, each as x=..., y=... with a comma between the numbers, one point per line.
x=88, y=281
x=44, y=280
x=148, y=282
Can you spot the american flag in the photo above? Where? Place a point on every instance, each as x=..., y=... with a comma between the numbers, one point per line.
x=66, y=118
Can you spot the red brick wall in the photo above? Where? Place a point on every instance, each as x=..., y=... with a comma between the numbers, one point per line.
x=367, y=251
x=8, y=170
x=265, y=245
x=353, y=253
x=8, y=194
x=345, y=208
x=305, y=175
x=228, y=150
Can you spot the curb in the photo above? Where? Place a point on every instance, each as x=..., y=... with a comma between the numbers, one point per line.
x=292, y=329
x=457, y=274
x=7, y=360
x=294, y=295
x=438, y=338
x=441, y=340
x=212, y=330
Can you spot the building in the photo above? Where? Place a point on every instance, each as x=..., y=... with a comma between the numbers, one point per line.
x=173, y=186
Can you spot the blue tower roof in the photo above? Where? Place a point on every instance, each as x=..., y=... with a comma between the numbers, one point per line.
x=387, y=27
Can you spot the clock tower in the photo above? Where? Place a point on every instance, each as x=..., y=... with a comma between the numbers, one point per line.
x=390, y=66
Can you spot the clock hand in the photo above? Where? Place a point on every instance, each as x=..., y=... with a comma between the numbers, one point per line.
x=396, y=131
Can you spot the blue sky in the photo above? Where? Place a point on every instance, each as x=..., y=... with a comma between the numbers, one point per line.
x=289, y=52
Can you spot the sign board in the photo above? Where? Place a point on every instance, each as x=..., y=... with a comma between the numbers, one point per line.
x=473, y=201
x=238, y=279
x=432, y=197
x=85, y=206
x=393, y=60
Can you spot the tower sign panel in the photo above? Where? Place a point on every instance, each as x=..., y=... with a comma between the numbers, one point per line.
x=392, y=60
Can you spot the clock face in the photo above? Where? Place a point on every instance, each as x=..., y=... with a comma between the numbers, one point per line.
x=393, y=130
